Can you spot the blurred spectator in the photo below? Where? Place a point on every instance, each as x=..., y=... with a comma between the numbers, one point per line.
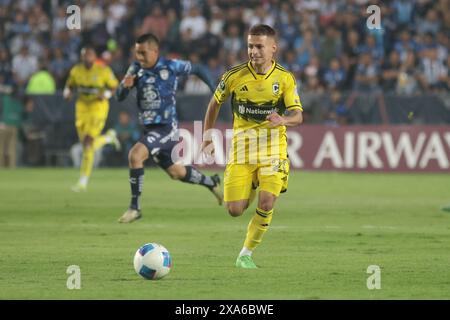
x=194, y=22
x=259, y=15
x=24, y=65
x=433, y=75
x=59, y=21
x=391, y=72
x=118, y=63
x=366, y=86
x=33, y=137
x=371, y=47
x=41, y=82
x=350, y=57
x=59, y=67
x=443, y=45
x=127, y=133
x=233, y=42
x=157, y=23
x=405, y=44
x=217, y=21
x=330, y=45
x=403, y=11
x=336, y=112
x=173, y=32
x=306, y=47
x=406, y=82
x=209, y=45
x=5, y=64
x=10, y=122
x=92, y=14
x=431, y=23
x=367, y=73
x=116, y=12
x=334, y=76
x=289, y=62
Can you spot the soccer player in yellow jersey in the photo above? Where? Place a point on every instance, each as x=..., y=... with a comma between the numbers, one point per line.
x=93, y=84
x=265, y=101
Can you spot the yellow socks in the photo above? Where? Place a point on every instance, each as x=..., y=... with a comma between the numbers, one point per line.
x=87, y=162
x=257, y=227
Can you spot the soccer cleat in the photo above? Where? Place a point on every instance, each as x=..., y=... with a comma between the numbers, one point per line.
x=130, y=215
x=217, y=190
x=79, y=187
x=245, y=262
x=446, y=208
x=114, y=141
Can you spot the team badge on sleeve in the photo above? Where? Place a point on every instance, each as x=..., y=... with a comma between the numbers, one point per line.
x=222, y=85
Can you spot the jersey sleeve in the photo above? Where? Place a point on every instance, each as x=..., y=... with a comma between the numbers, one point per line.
x=110, y=79
x=291, y=97
x=223, y=89
x=71, y=79
x=181, y=67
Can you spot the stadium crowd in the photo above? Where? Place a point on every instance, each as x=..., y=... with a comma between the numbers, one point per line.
x=324, y=42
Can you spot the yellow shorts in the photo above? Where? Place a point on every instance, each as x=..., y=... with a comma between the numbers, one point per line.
x=239, y=179
x=90, y=118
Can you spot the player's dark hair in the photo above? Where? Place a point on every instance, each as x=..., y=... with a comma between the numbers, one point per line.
x=262, y=30
x=148, y=37
x=89, y=47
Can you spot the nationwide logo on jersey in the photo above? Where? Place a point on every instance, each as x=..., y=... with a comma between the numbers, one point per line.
x=244, y=88
x=241, y=109
x=276, y=88
x=164, y=74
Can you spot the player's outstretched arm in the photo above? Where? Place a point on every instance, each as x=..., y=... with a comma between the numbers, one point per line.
x=124, y=87
x=293, y=118
x=204, y=75
x=210, y=119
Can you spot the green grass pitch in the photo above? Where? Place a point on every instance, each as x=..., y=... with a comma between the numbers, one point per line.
x=327, y=229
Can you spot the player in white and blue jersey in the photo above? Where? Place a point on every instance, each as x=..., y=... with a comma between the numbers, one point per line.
x=155, y=79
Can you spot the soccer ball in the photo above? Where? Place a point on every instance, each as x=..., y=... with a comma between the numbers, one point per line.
x=152, y=261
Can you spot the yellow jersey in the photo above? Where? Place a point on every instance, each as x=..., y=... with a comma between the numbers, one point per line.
x=253, y=97
x=89, y=83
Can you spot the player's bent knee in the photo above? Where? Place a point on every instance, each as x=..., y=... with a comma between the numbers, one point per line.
x=87, y=141
x=235, y=210
x=175, y=175
x=135, y=158
x=266, y=206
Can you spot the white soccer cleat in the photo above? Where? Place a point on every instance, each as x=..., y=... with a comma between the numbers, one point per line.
x=130, y=215
x=114, y=141
x=79, y=187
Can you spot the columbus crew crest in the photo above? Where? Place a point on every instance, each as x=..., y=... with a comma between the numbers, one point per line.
x=275, y=88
